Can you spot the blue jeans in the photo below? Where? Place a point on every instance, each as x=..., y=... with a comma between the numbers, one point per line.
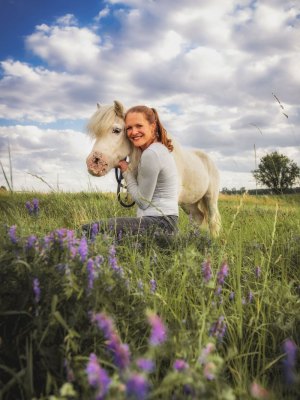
x=132, y=225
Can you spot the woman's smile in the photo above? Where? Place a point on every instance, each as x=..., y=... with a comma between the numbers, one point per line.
x=139, y=131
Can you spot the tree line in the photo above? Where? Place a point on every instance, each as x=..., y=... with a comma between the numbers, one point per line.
x=277, y=173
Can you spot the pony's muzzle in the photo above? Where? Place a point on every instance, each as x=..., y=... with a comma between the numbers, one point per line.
x=97, y=164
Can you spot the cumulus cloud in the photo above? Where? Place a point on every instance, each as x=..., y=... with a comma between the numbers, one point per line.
x=210, y=68
x=74, y=48
x=102, y=14
x=44, y=158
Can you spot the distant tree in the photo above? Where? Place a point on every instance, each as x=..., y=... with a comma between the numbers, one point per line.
x=225, y=190
x=277, y=172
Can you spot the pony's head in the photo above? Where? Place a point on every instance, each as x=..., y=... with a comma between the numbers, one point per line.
x=111, y=145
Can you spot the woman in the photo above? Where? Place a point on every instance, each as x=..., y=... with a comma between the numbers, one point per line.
x=155, y=186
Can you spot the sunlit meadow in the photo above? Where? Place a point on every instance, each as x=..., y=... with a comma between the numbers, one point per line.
x=159, y=317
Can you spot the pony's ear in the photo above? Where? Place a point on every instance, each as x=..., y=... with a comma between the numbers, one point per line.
x=98, y=106
x=119, y=109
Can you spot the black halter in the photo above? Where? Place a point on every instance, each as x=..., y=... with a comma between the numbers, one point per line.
x=119, y=178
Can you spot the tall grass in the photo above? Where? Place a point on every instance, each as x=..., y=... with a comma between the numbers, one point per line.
x=259, y=300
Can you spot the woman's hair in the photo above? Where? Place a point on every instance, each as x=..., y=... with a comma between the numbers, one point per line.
x=152, y=116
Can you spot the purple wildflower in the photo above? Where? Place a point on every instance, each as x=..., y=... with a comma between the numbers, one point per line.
x=257, y=272
x=112, y=259
x=250, y=297
x=28, y=206
x=83, y=249
x=70, y=238
x=153, y=286
x=91, y=273
x=60, y=236
x=289, y=362
x=119, y=350
x=206, y=270
x=223, y=272
x=36, y=290
x=218, y=290
x=145, y=364
x=99, y=260
x=137, y=387
x=12, y=234
x=231, y=296
x=218, y=329
x=73, y=251
x=35, y=206
x=180, y=365
x=104, y=323
x=32, y=207
x=120, y=234
x=158, y=330
x=97, y=377
x=94, y=231
x=31, y=240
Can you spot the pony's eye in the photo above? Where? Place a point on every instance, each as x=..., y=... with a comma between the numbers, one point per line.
x=116, y=130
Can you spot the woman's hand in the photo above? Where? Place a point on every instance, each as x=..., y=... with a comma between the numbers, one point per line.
x=123, y=165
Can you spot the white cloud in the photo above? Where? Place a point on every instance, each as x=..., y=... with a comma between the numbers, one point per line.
x=102, y=14
x=68, y=19
x=53, y=155
x=76, y=49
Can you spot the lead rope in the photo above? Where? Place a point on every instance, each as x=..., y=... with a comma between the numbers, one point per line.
x=119, y=178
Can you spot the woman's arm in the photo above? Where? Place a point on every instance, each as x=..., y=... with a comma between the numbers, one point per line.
x=142, y=190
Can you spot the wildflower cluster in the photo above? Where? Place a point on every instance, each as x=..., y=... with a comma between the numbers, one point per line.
x=206, y=270
x=130, y=377
x=112, y=259
x=36, y=290
x=158, y=329
x=218, y=329
x=93, y=270
x=12, y=233
x=97, y=377
x=136, y=383
x=33, y=207
x=153, y=286
x=222, y=274
x=180, y=365
x=119, y=350
x=289, y=362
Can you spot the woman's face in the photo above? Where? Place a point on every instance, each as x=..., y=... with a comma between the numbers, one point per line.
x=139, y=131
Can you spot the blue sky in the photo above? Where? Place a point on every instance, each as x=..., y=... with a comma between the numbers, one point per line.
x=210, y=68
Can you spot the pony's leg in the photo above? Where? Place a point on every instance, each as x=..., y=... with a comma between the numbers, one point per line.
x=214, y=218
x=194, y=211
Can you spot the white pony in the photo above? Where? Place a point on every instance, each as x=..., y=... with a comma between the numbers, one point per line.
x=198, y=175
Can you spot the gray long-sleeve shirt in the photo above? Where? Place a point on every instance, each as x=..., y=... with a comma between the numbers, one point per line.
x=155, y=190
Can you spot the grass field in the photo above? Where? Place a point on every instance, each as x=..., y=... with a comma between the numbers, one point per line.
x=148, y=317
